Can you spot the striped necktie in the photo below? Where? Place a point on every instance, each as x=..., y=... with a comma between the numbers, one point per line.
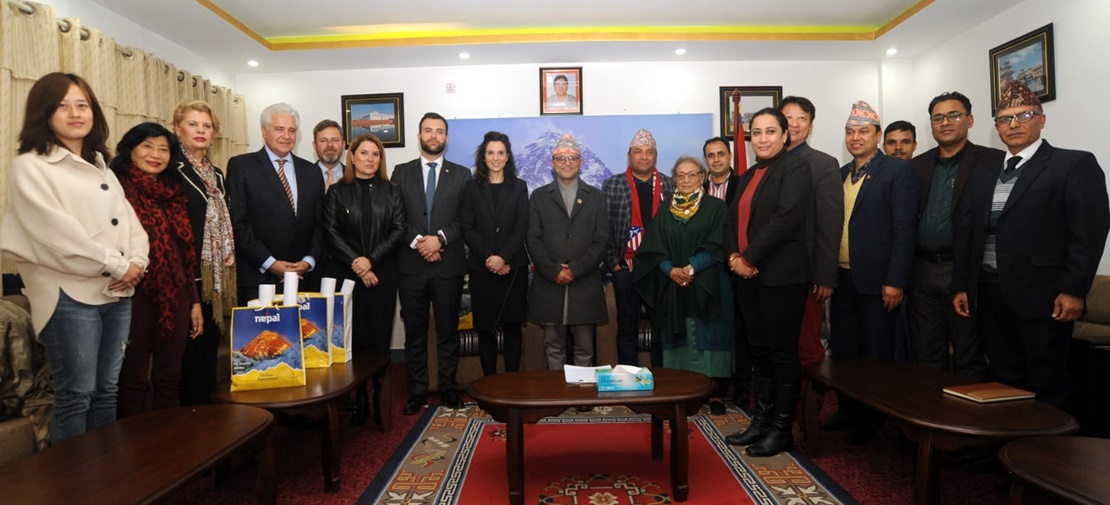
x=285, y=185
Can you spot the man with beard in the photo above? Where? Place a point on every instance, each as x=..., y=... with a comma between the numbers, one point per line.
x=329, y=144
x=633, y=198
x=432, y=261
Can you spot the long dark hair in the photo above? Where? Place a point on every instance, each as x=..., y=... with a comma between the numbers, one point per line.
x=779, y=117
x=481, y=169
x=349, y=168
x=43, y=101
x=121, y=164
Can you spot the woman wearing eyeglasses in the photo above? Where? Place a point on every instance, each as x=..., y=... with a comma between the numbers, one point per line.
x=494, y=222
x=765, y=241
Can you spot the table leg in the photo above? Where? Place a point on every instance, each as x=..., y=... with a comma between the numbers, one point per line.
x=1017, y=492
x=266, y=483
x=811, y=407
x=514, y=456
x=384, y=408
x=656, y=438
x=926, y=483
x=330, y=446
x=680, y=454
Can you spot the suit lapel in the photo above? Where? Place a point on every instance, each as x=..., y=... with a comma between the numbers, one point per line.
x=557, y=197
x=485, y=196
x=1029, y=173
x=868, y=180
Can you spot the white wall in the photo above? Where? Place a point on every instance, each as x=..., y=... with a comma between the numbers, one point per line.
x=128, y=33
x=485, y=91
x=1074, y=118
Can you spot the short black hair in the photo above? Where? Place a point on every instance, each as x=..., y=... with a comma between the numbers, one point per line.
x=802, y=102
x=950, y=95
x=563, y=77
x=432, y=115
x=901, y=126
x=728, y=147
x=121, y=164
x=327, y=123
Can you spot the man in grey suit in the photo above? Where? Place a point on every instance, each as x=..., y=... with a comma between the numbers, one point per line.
x=568, y=234
x=432, y=261
x=824, y=222
x=277, y=199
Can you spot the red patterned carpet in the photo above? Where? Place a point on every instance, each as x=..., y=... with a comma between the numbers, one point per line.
x=873, y=474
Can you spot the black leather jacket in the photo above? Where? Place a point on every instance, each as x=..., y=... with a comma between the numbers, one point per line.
x=363, y=219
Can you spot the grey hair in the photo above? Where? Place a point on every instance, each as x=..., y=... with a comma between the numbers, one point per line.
x=687, y=158
x=280, y=108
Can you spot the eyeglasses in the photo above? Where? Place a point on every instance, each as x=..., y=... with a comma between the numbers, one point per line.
x=565, y=159
x=687, y=177
x=1021, y=117
x=952, y=117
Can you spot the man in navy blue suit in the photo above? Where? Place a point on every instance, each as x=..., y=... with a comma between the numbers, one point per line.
x=876, y=252
x=1027, y=249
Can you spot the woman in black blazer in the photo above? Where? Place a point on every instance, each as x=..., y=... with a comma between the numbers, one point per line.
x=494, y=223
x=364, y=225
x=766, y=244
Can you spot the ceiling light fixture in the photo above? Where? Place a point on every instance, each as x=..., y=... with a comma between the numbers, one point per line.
x=891, y=52
x=252, y=63
x=464, y=56
x=680, y=51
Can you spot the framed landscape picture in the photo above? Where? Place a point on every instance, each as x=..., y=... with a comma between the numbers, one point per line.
x=1029, y=59
x=752, y=99
x=382, y=115
x=561, y=91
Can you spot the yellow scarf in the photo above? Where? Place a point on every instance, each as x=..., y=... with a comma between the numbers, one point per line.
x=684, y=207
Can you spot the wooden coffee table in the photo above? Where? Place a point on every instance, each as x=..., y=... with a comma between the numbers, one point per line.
x=911, y=396
x=526, y=397
x=142, y=459
x=1072, y=468
x=325, y=387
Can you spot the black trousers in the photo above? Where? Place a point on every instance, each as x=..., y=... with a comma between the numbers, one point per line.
x=629, y=305
x=419, y=293
x=935, y=326
x=373, y=309
x=861, y=327
x=773, y=320
x=198, y=363
x=1025, y=351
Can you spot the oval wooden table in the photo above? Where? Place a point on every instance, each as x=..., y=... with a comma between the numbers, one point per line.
x=142, y=459
x=526, y=397
x=912, y=396
x=324, y=387
x=1072, y=468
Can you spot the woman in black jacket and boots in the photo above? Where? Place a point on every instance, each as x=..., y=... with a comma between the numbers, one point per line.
x=364, y=225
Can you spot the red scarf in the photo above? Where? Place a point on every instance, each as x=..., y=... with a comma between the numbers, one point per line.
x=161, y=210
x=636, y=225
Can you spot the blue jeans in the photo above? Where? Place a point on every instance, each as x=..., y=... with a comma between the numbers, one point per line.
x=84, y=344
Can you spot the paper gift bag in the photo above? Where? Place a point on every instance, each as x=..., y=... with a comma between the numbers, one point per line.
x=315, y=321
x=266, y=349
x=342, y=350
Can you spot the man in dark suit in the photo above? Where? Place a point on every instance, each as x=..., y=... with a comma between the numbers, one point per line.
x=276, y=202
x=432, y=261
x=943, y=172
x=824, y=223
x=876, y=251
x=721, y=182
x=1027, y=249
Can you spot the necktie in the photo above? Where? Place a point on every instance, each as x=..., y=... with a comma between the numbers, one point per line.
x=1011, y=164
x=331, y=178
x=430, y=192
x=285, y=184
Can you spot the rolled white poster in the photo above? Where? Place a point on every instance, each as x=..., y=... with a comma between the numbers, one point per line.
x=348, y=287
x=327, y=286
x=266, y=294
x=289, y=294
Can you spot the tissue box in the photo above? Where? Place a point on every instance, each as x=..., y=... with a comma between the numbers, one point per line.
x=625, y=378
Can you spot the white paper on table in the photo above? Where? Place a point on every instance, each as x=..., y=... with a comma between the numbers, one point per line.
x=583, y=374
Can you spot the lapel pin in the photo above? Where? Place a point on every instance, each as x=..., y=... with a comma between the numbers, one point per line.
x=579, y=201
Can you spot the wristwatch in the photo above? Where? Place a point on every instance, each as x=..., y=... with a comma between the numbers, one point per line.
x=690, y=269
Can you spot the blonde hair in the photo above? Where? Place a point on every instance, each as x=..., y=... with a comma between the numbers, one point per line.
x=199, y=106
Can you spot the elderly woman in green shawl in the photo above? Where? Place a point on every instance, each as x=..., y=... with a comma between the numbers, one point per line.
x=680, y=274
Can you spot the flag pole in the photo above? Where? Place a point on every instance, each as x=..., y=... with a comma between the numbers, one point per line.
x=740, y=150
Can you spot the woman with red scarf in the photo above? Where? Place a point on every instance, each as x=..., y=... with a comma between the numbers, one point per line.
x=166, y=310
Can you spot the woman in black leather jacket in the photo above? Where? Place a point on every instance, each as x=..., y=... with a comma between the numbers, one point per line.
x=364, y=225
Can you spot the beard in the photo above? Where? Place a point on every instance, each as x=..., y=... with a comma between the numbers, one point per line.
x=330, y=158
x=428, y=149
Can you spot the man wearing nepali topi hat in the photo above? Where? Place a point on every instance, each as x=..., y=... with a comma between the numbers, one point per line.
x=633, y=198
x=876, y=252
x=1027, y=249
x=568, y=235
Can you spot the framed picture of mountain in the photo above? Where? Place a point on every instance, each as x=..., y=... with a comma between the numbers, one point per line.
x=1029, y=59
x=381, y=115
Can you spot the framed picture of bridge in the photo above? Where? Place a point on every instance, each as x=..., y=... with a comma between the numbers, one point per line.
x=381, y=115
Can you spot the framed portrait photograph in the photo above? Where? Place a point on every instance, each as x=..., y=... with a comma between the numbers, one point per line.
x=752, y=99
x=561, y=91
x=1029, y=59
x=382, y=115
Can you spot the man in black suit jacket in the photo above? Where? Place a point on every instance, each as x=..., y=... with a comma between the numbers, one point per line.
x=876, y=250
x=943, y=172
x=432, y=261
x=1027, y=249
x=272, y=235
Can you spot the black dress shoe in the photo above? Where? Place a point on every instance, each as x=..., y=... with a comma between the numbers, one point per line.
x=451, y=399
x=717, y=408
x=837, y=422
x=415, y=404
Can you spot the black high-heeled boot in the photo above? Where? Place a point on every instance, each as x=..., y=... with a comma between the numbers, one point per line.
x=780, y=436
x=761, y=418
x=362, y=407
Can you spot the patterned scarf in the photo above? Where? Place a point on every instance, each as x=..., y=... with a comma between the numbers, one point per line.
x=636, y=224
x=684, y=207
x=161, y=210
x=217, y=249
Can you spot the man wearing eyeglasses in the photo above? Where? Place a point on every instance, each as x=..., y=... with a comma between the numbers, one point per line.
x=1027, y=248
x=941, y=339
